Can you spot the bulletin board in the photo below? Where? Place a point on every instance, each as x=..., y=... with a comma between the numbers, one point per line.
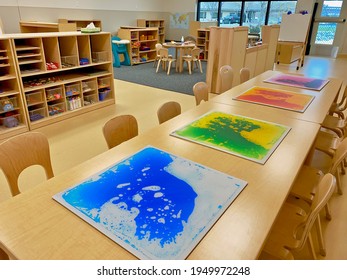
x=294, y=27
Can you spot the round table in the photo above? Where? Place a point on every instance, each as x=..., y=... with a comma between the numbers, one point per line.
x=179, y=50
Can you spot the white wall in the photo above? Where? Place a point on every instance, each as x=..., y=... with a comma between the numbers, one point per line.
x=112, y=13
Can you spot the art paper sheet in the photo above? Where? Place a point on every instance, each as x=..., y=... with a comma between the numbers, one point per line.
x=242, y=136
x=277, y=98
x=154, y=204
x=297, y=81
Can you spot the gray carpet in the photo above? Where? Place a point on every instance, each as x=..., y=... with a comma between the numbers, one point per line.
x=145, y=74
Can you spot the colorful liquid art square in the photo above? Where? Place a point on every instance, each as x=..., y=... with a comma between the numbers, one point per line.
x=242, y=136
x=154, y=204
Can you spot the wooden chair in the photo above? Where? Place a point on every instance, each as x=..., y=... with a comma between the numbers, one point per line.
x=158, y=46
x=293, y=225
x=306, y=184
x=340, y=106
x=227, y=75
x=245, y=74
x=193, y=58
x=168, y=111
x=200, y=90
x=120, y=129
x=335, y=124
x=165, y=58
x=22, y=151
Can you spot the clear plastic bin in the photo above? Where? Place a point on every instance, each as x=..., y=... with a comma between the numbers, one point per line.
x=37, y=114
x=88, y=85
x=8, y=104
x=72, y=89
x=104, y=93
x=104, y=82
x=54, y=93
x=34, y=97
x=90, y=99
x=10, y=121
x=56, y=108
x=100, y=56
x=69, y=61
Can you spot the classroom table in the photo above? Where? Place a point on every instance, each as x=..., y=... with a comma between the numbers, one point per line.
x=315, y=112
x=34, y=226
x=179, y=52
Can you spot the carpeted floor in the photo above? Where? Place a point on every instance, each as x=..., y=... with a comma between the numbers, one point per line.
x=145, y=74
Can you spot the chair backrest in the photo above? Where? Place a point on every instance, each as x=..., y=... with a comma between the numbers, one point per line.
x=120, y=129
x=163, y=53
x=22, y=151
x=339, y=156
x=245, y=74
x=200, y=90
x=227, y=75
x=324, y=191
x=168, y=111
x=190, y=38
x=158, y=46
x=196, y=53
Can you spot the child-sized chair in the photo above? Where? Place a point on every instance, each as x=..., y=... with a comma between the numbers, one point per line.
x=120, y=47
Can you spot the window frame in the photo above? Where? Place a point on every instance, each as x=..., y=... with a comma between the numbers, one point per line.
x=242, y=8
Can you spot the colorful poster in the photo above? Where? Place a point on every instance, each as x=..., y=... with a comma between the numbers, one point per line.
x=154, y=204
x=297, y=81
x=277, y=98
x=241, y=136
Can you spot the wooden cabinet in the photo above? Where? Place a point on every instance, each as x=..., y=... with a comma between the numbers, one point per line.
x=12, y=113
x=158, y=23
x=289, y=52
x=63, y=74
x=202, y=41
x=142, y=43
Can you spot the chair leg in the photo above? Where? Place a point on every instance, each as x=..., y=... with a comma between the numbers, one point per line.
x=158, y=65
x=190, y=67
x=327, y=212
x=321, y=243
x=310, y=246
x=200, y=66
x=338, y=182
x=168, y=70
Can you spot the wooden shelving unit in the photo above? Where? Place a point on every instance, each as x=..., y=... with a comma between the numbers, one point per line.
x=39, y=26
x=202, y=41
x=142, y=43
x=12, y=113
x=81, y=23
x=158, y=23
x=63, y=74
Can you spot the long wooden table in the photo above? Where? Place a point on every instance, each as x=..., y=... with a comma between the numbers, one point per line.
x=34, y=226
x=315, y=112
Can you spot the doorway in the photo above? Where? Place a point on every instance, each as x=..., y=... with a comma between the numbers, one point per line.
x=327, y=28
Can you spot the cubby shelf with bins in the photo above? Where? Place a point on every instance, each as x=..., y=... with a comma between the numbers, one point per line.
x=12, y=113
x=142, y=43
x=202, y=41
x=158, y=23
x=62, y=80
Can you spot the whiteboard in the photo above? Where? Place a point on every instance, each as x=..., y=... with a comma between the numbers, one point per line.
x=294, y=27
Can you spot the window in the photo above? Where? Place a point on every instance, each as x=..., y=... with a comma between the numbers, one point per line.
x=208, y=11
x=326, y=30
x=331, y=8
x=254, y=14
x=249, y=13
x=230, y=13
x=277, y=8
